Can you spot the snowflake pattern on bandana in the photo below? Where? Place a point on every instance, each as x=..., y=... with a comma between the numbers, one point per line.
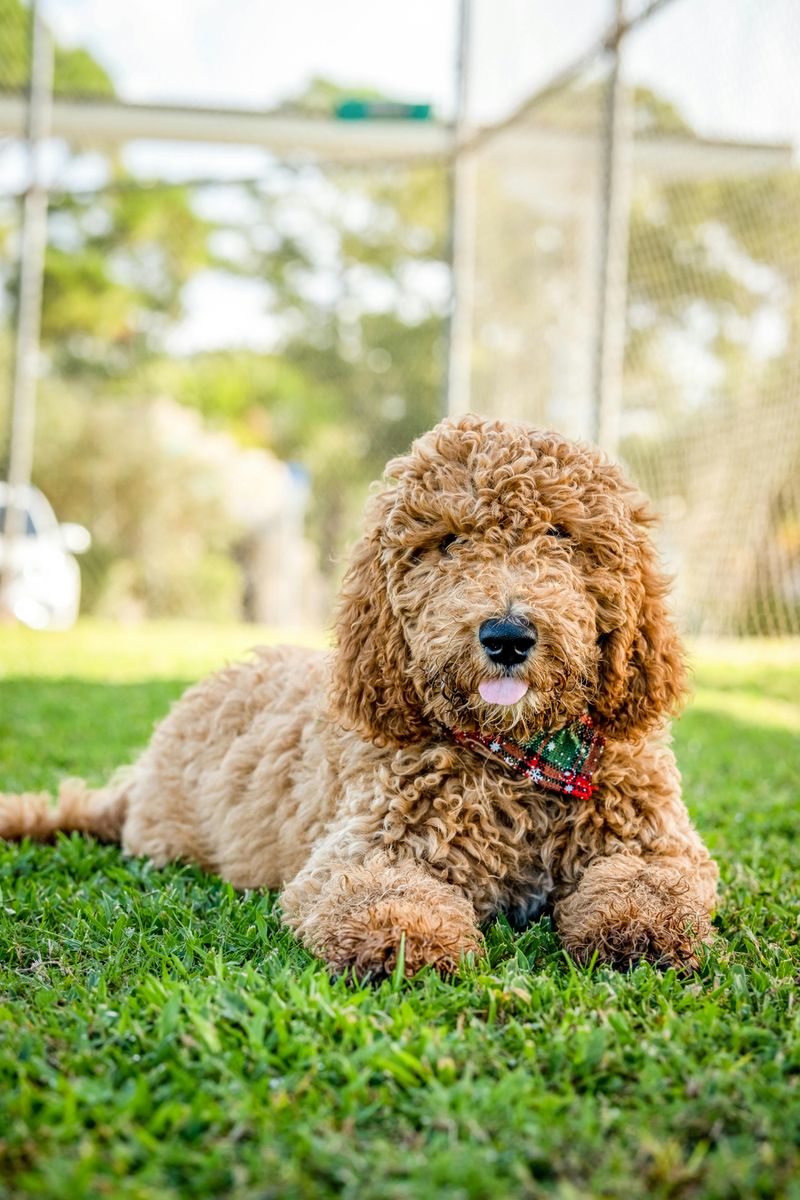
x=562, y=760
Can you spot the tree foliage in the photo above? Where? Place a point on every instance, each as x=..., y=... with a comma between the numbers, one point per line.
x=75, y=71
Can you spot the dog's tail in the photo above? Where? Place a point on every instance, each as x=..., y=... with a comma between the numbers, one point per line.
x=79, y=808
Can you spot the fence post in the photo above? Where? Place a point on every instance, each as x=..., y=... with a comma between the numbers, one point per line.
x=462, y=235
x=33, y=242
x=609, y=341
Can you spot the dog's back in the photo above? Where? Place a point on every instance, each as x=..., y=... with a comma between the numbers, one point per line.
x=230, y=779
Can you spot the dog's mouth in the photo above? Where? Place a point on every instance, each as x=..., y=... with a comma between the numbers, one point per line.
x=507, y=691
x=547, y=695
x=500, y=702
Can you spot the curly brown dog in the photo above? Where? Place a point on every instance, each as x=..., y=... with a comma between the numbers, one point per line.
x=488, y=736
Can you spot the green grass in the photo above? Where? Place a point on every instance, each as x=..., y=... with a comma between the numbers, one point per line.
x=161, y=1036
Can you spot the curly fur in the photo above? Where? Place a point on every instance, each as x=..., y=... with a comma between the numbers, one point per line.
x=335, y=779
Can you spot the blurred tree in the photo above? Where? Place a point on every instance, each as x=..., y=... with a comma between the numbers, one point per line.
x=353, y=261
x=163, y=540
x=115, y=270
x=75, y=71
x=357, y=367
x=117, y=260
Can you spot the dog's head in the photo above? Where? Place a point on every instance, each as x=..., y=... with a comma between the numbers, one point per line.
x=505, y=583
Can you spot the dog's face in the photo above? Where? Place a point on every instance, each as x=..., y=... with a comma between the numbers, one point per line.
x=506, y=583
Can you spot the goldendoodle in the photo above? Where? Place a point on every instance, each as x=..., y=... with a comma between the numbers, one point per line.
x=488, y=736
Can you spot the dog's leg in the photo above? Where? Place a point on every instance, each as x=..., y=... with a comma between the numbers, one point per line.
x=627, y=907
x=356, y=914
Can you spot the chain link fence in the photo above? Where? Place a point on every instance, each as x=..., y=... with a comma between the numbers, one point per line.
x=709, y=411
x=242, y=323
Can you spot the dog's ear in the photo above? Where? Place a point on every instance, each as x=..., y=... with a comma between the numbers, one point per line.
x=642, y=667
x=371, y=687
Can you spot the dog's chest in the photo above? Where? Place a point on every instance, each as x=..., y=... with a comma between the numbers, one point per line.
x=492, y=834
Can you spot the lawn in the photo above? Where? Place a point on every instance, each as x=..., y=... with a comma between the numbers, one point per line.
x=161, y=1036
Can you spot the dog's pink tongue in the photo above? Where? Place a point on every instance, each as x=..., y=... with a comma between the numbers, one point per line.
x=502, y=691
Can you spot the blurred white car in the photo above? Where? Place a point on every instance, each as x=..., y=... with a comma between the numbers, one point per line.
x=40, y=578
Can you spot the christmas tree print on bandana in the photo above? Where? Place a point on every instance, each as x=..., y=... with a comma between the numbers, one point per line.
x=561, y=760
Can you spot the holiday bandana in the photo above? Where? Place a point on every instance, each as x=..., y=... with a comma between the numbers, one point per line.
x=561, y=760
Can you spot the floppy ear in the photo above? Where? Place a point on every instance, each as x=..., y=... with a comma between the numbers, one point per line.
x=642, y=669
x=371, y=687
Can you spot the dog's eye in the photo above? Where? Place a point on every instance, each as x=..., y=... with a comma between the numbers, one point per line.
x=557, y=531
x=447, y=541
x=441, y=547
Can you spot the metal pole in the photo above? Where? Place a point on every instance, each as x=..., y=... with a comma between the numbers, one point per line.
x=462, y=235
x=33, y=242
x=609, y=349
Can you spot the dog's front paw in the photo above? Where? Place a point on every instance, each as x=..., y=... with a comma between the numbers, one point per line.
x=365, y=917
x=371, y=939
x=627, y=910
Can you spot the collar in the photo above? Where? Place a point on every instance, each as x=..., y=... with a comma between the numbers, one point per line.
x=559, y=760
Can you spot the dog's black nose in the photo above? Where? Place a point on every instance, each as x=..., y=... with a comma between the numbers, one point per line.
x=506, y=641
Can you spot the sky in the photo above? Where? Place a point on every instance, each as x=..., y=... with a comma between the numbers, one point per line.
x=253, y=52
x=730, y=64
